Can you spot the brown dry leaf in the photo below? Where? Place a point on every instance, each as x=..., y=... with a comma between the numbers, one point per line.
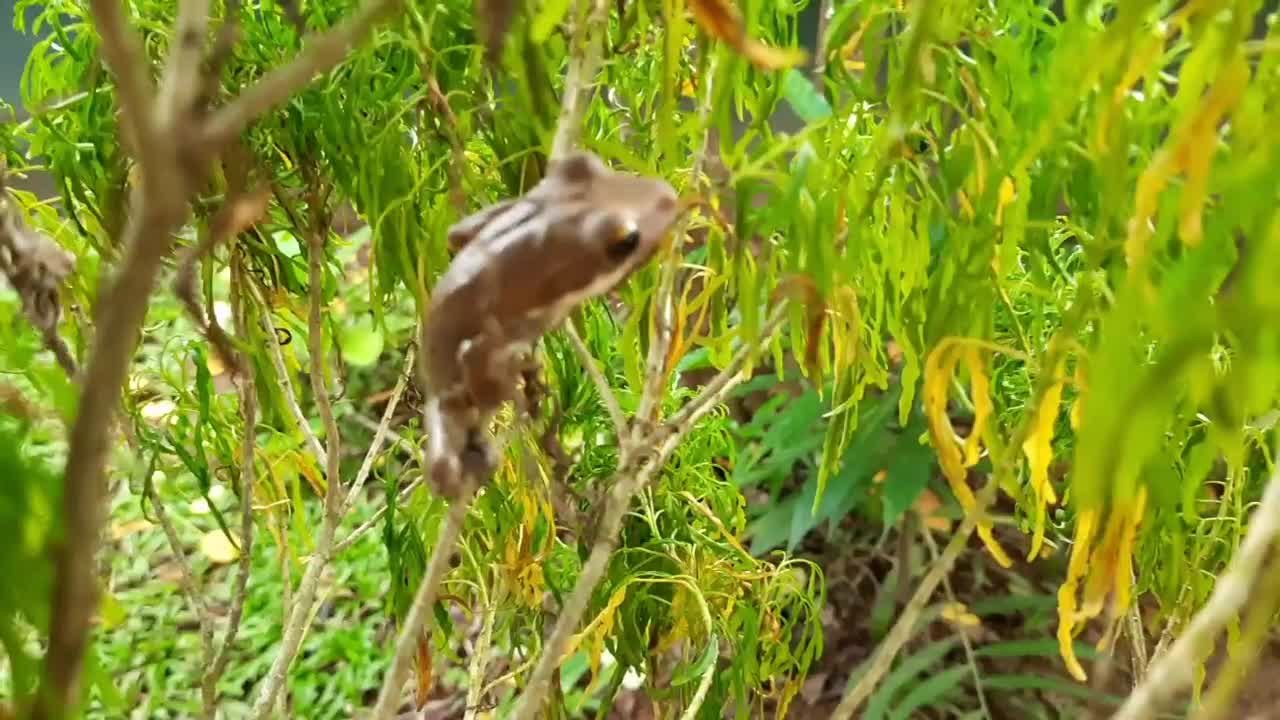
x=216, y=546
x=927, y=506
x=168, y=572
x=424, y=678
x=721, y=20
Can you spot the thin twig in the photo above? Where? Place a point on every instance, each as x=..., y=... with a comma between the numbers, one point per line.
x=579, y=82
x=664, y=297
x=423, y=602
x=320, y=55
x=299, y=618
x=286, y=380
x=607, y=397
x=372, y=522
x=160, y=208
x=969, y=655
x=1171, y=672
x=380, y=435
x=186, y=577
x=248, y=480
x=905, y=626
x=122, y=49
x=626, y=484
x=480, y=659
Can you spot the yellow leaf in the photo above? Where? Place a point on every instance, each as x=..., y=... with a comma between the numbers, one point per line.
x=1038, y=448
x=600, y=628
x=119, y=532
x=721, y=20
x=215, y=364
x=957, y=613
x=111, y=611
x=216, y=546
x=982, y=405
x=1078, y=406
x=1068, y=615
x=424, y=677
x=940, y=368
x=1007, y=194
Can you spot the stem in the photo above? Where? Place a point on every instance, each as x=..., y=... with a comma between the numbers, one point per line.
x=381, y=433
x=286, y=382
x=423, y=601
x=607, y=397
x=903, y=628
x=579, y=82
x=624, y=488
x=248, y=480
x=320, y=55
x=1171, y=672
x=300, y=616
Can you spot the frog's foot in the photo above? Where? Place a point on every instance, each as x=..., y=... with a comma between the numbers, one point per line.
x=479, y=457
x=446, y=477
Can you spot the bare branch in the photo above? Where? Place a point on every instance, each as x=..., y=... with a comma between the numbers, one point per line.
x=286, y=380
x=423, y=602
x=372, y=522
x=627, y=482
x=380, y=435
x=186, y=578
x=239, y=212
x=579, y=82
x=602, y=386
x=320, y=55
x=905, y=626
x=180, y=85
x=304, y=601
x=1171, y=672
x=248, y=479
x=122, y=50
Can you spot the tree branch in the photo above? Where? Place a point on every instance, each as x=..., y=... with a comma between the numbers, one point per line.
x=579, y=82
x=607, y=398
x=1171, y=672
x=380, y=435
x=121, y=48
x=160, y=209
x=248, y=480
x=286, y=381
x=423, y=602
x=905, y=626
x=186, y=578
x=627, y=482
x=300, y=616
x=321, y=54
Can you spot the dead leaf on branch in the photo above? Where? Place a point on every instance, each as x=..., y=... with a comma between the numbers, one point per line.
x=722, y=20
x=36, y=268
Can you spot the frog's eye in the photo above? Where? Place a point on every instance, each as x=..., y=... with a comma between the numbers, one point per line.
x=624, y=242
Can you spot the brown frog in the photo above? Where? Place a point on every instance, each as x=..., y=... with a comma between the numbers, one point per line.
x=521, y=266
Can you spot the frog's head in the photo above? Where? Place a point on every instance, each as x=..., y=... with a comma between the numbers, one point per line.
x=626, y=217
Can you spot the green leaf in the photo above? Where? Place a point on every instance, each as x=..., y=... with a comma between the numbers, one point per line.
x=695, y=671
x=932, y=689
x=362, y=343
x=914, y=664
x=909, y=470
x=803, y=97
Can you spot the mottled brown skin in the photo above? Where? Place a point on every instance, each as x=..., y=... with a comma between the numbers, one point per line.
x=521, y=266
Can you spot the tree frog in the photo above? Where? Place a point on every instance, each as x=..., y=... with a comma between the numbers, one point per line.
x=521, y=265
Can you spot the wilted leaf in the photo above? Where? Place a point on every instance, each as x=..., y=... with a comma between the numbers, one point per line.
x=721, y=20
